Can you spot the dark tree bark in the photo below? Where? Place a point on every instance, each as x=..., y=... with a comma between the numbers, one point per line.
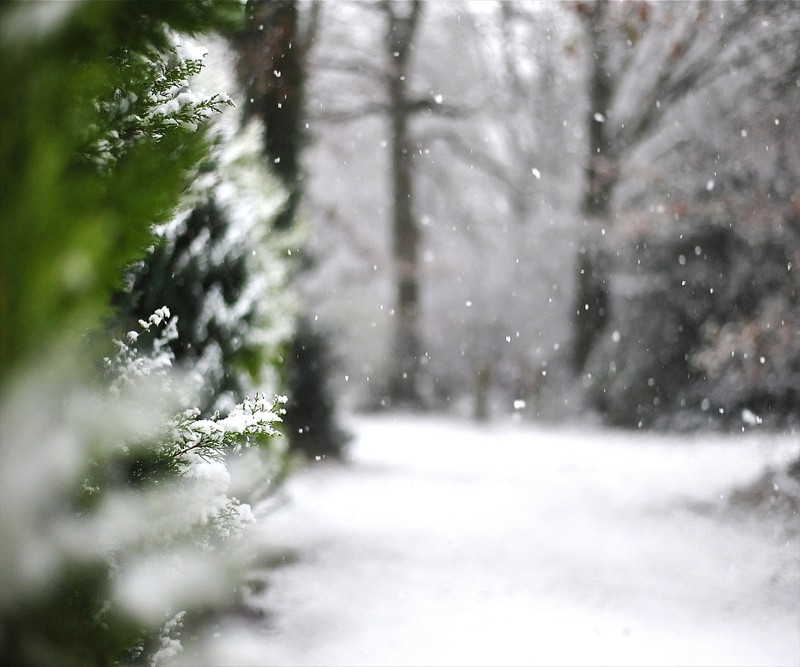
x=399, y=107
x=590, y=308
x=271, y=68
x=402, y=21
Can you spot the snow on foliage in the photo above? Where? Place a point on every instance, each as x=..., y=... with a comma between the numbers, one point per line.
x=123, y=510
x=217, y=267
x=155, y=104
x=163, y=533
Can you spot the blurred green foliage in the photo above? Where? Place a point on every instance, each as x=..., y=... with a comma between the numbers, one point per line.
x=72, y=216
x=68, y=225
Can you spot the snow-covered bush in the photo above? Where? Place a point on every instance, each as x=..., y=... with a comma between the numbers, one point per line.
x=121, y=514
x=311, y=423
x=705, y=329
x=118, y=515
x=752, y=364
x=222, y=273
x=86, y=171
x=151, y=101
x=706, y=249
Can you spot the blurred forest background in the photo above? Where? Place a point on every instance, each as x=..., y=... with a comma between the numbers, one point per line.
x=569, y=206
x=551, y=210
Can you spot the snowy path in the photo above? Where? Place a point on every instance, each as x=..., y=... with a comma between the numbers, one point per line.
x=498, y=545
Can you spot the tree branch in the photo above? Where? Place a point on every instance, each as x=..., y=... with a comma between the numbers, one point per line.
x=678, y=79
x=400, y=27
x=495, y=168
x=348, y=115
x=431, y=105
x=422, y=105
x=309, y=35
x=354, y=66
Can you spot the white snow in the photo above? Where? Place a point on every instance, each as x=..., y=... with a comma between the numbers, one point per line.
x=451, y=543
x=177, y=580
x=190, y=49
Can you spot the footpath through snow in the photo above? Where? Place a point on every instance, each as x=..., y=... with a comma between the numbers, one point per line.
x=448, y=543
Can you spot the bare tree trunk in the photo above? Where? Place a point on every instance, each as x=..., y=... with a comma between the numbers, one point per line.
x=404, y=380
x=590, y=310
x=272, y=51
x=483, y=385
x=271, y=68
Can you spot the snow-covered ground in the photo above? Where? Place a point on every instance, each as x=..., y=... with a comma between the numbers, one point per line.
x=455, y=544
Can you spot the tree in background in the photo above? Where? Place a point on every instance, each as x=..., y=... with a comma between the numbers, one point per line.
x=488, y=242
x=644, y=60
x=496, y=191
x=312, y=425
x=272, y=57
x=385, y=89
x=272, y=53
x=497, y=187
x=401, y=26
x=707, y=239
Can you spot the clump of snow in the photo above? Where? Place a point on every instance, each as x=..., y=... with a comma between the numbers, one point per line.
x=190, y=49
x=169, y=644
x=180, y=579
x=164, y=539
